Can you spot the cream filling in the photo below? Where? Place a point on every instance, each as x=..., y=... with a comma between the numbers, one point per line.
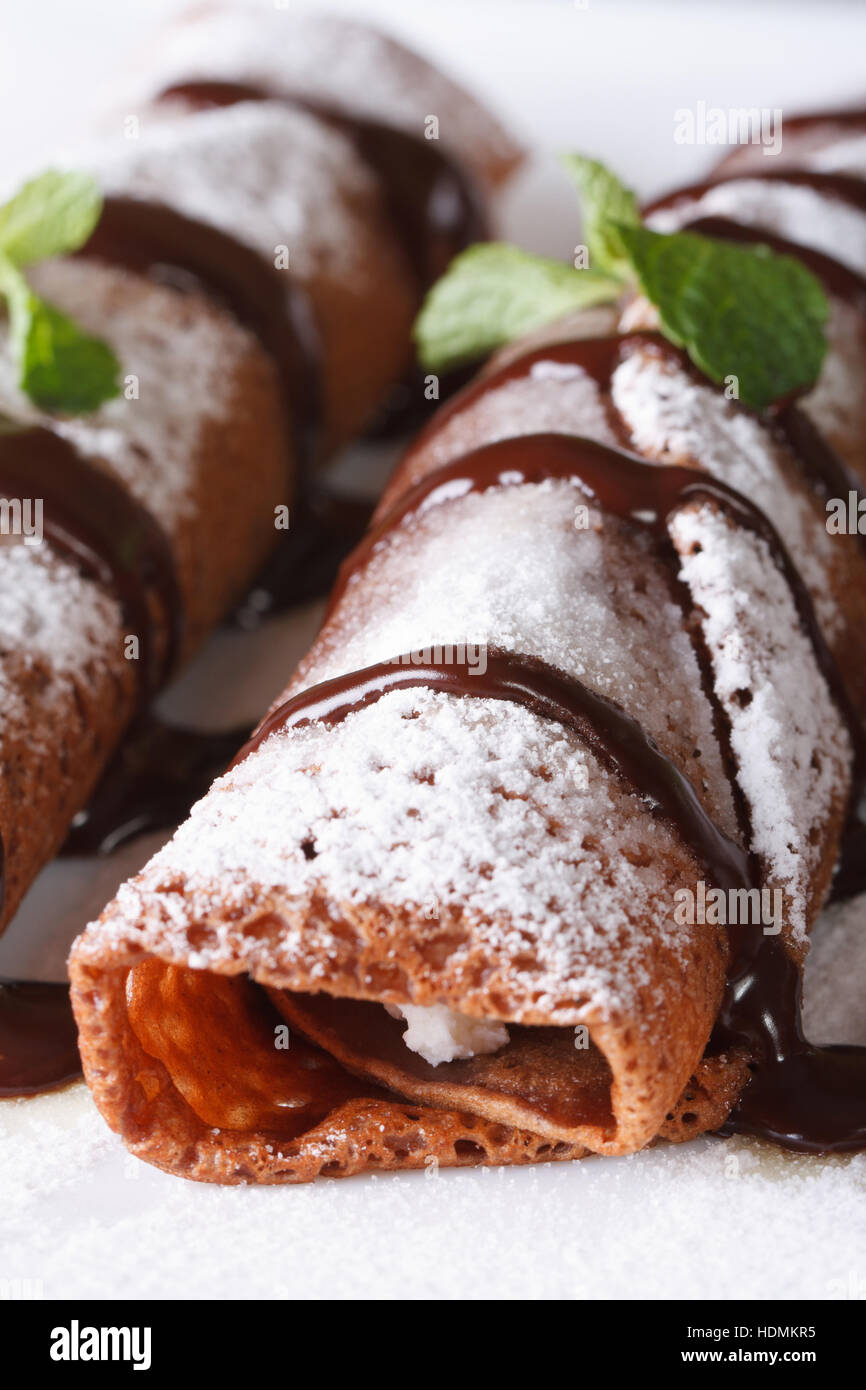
x=438, y=1034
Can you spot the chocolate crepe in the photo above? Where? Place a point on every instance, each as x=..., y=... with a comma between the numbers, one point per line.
x=667, y=701
x=254, y=275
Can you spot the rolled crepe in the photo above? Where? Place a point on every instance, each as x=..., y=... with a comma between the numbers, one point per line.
x=347, y=65
x=828, y=141
x=160, y=507
x=465, y=897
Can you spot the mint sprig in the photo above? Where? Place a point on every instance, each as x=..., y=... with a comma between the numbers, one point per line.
x=739, y=311
x=59, y=366
x=742, y=313
x=493, y=293
x=606, y=205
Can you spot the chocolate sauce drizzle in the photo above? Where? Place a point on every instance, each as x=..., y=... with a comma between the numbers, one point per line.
x=617, y=739
x=435, y=210
x=156, y=240
x=844, y=188
x=801, y=1096
x=804, y=1097
x=96, y=523
x=827, y=474
x=623, y=484
x=432, y=203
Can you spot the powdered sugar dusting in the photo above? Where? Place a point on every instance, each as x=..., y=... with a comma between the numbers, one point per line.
x=471, y=804
x=423, y=799
x=180, y=354
x=554, y=396
x=793, y=211
x=331, y=59
x=792, y=748
x=673, y=419
x=846, y=156
x=493, y=569
x=264, y=173
x=51, y=620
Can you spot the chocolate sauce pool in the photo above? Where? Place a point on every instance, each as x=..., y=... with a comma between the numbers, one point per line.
x=38, y=1039
x=150, y=784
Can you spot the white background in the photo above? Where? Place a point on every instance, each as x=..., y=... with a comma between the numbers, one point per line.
x=78, y=1217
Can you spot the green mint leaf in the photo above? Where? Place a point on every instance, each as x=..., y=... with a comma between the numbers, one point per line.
x=739, y=311
x=63, y=368
x=492, y=293
x=607, y=204
x=50, y=216
x=59, y=366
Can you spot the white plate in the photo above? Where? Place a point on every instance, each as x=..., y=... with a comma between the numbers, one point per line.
x=80, y=1218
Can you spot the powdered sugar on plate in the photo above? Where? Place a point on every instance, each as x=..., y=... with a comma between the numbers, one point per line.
x=711, y=1219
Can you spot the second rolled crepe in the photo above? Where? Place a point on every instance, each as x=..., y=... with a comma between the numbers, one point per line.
x=204, y=444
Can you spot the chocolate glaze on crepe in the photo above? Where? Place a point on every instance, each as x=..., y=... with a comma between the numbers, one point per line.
x=805, y=1097
x=845, y=188
x=436, y=210
x=97, y=523
x=156, y=240
x=431, y=200
x=828, y=473
x=419, y=182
